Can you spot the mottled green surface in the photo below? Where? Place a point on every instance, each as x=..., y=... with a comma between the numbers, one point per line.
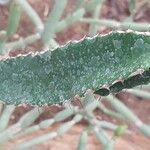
x=53, y=77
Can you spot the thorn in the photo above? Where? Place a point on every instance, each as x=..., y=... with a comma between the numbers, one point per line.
x=139, y=71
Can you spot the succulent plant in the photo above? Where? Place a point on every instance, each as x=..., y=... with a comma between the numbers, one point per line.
x=102, y=64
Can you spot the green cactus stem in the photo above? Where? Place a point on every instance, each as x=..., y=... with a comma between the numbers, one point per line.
x=51, y=77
